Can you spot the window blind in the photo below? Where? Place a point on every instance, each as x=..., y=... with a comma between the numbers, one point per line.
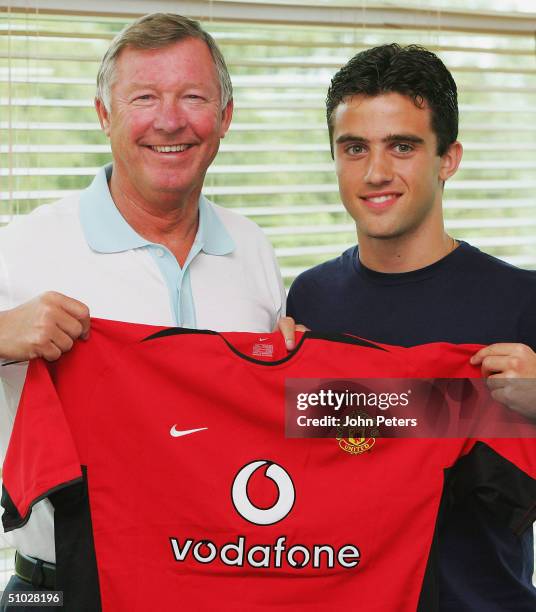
x=274, y=165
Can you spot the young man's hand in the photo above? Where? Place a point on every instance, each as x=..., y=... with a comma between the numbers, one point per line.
x=510, y=372
x=287, y=326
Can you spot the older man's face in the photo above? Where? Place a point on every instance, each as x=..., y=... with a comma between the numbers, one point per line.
x=166, y=120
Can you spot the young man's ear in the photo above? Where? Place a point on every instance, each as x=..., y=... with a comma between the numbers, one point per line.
x=450, y=160
x=103, y=115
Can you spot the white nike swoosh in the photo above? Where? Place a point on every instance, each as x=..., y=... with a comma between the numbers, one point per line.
x=177, y=433
x=263, y=339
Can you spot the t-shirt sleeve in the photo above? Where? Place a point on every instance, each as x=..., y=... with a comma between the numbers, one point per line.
x=41, y=456
x=296, y=297
x=291, y=307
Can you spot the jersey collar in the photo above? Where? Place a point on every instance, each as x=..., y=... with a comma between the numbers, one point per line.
x=106, y=230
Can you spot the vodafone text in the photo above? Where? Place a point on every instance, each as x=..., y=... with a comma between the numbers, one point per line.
x=277, y=555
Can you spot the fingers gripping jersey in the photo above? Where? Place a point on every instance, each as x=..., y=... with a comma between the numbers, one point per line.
x=163, y=452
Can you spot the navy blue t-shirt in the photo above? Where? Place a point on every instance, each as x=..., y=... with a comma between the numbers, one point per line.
x=466, y=297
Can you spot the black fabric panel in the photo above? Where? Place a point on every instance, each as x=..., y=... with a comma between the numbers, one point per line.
x=344, y=338
x=430, y=590
x=76, y=564
x=485, y=478
x=429, y=597
x=508, y=493
x=11, y=517
x=178, y=331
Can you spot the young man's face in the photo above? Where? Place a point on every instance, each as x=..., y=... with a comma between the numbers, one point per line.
x=390, y=175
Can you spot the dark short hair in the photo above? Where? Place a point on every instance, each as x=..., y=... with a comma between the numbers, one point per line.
x=412, y=71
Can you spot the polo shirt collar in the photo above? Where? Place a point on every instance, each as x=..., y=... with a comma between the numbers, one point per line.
x=212, y=236
x=107, y=231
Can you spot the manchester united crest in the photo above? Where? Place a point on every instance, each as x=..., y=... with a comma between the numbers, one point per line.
x=358, y=439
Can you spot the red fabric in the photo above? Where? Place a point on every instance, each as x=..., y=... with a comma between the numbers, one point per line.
x=110, y=405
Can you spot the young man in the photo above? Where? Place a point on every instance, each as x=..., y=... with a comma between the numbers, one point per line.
x=393, y=122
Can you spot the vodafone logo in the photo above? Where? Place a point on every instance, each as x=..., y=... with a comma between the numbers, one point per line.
x=250, y=550
x=263, y=516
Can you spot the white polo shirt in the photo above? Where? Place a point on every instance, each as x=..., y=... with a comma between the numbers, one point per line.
x=82, y=247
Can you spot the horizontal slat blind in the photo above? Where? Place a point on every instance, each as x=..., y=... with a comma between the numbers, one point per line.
x=274, y=164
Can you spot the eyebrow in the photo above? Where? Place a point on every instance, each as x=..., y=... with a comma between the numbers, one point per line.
x=140, y=85
x=405, y=137
x=344, y=138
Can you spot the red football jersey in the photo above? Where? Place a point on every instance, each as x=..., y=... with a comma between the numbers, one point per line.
x=174, y=486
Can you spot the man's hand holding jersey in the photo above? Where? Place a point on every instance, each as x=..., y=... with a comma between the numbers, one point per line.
x=510, y=372
x=46, y=326
x=287, y=326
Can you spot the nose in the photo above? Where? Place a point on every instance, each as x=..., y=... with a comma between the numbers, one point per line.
x=379, y=170
x=170, y=116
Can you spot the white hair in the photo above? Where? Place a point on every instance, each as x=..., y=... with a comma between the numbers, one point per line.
x=156, y=31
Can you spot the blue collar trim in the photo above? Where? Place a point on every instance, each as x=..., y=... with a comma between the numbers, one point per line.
x=107, y=231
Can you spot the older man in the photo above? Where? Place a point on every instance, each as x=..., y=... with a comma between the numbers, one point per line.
x=141, y=243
